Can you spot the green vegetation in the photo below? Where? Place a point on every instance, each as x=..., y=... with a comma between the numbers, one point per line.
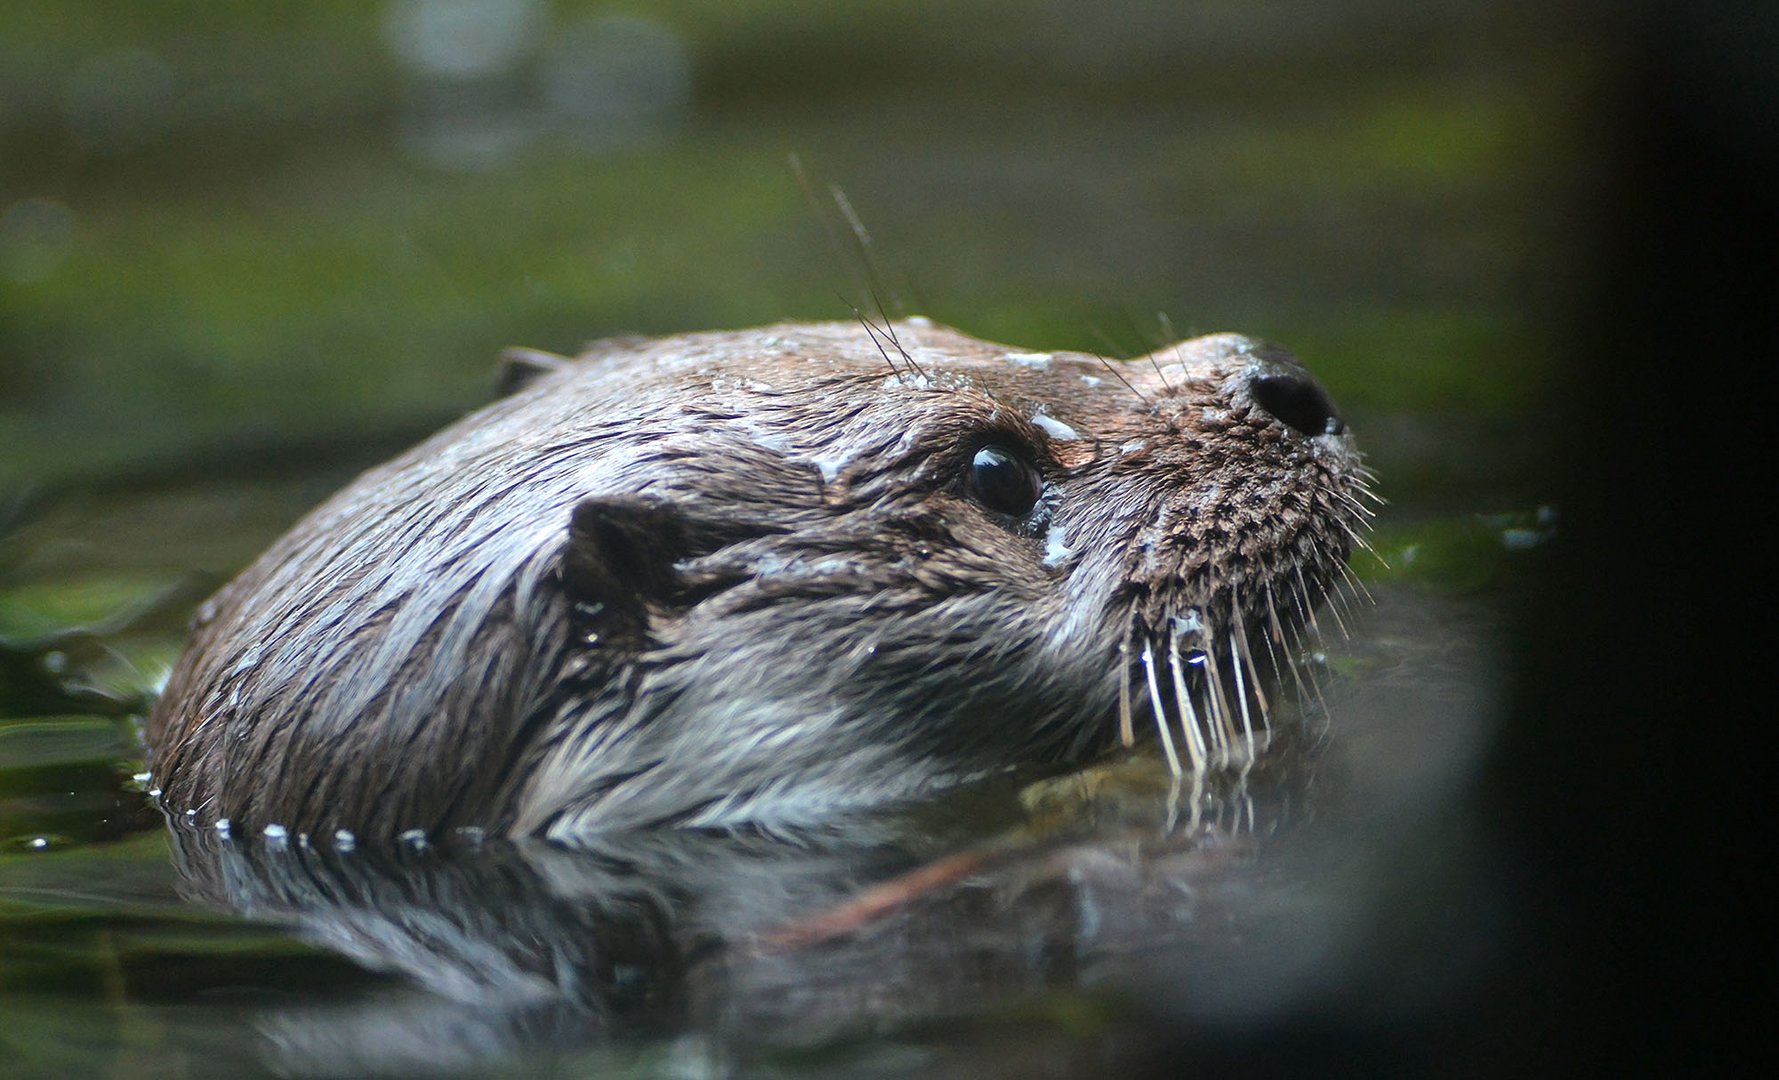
x=242, y=239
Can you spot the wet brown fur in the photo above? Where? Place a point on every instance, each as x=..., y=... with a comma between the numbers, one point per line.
x=737, y=577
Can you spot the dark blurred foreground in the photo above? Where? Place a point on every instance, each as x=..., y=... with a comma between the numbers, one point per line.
x=1620, y=798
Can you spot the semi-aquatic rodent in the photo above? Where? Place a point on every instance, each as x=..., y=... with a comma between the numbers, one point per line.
x=761, y=577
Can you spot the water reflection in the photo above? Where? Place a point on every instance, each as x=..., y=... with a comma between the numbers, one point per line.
x=1332, y=866
x=513, y=950
x=1107, y=917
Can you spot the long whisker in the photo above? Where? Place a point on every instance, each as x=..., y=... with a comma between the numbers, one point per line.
x=1162, y=375
x=1334, y=613
x=1357, y=584
x=1353, y=503
x=1221, y=714
x=1253, y=669
x=1284, y=642
x=1358, y=539
x=1155, y=702
x=871, y=331
x=889, y=329
x=1339, y=604
x=1241, y=695
x=1195, y=741
x=1126, y=736
x=1116, y=374
x=1302, y=595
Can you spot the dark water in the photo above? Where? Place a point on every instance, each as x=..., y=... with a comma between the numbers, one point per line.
x=243, y=254
x=1020, y=928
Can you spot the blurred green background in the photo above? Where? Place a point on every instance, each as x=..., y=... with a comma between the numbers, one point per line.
x=238, y=233
x=246, y=249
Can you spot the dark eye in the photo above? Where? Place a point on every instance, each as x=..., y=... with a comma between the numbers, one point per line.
x=1003, y=481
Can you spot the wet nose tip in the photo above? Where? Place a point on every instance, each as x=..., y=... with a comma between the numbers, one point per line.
x=1296, y=399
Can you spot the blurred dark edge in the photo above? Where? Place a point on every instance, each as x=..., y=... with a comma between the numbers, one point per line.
x=1625, y=776
x=1622, y=804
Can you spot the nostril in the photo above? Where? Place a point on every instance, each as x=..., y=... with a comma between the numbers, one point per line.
x=1298, y=400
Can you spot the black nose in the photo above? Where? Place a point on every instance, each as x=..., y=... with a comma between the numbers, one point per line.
x=1297, y=399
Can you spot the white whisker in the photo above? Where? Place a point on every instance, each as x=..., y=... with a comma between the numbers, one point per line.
x=1334, y=611
x=1359, y=585
x=1352, y=503
x=1338, y=606
x=1241, y=692
x=1288, y=643
x=1247, y=657
x=1167, y=740
x=1195, y=742
x=1221, y=714
x=1302, y=596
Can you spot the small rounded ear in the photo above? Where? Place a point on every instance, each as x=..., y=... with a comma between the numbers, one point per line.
x=620, y=558
x=520, y=367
